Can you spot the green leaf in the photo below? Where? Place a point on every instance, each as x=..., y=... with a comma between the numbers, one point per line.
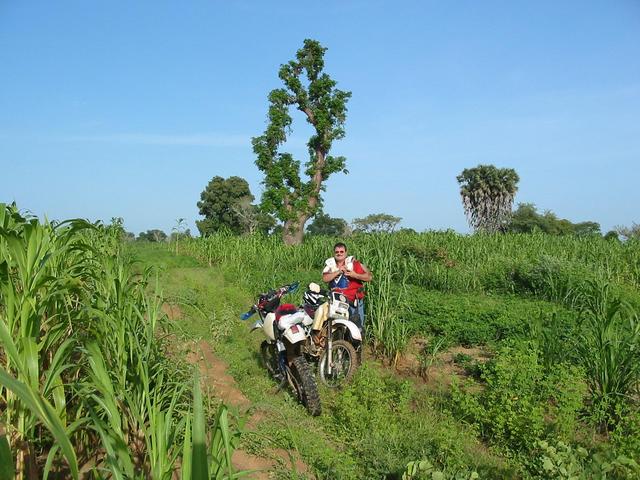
x=7, y=472
x=46, y=413
x=200, y=467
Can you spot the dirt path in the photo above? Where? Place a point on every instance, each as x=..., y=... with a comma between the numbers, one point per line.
x=217, y=382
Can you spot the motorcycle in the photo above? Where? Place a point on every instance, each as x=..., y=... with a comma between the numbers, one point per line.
x=340, y=340
x=283, y=350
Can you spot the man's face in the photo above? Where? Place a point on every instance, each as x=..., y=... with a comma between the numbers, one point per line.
x=340, y=253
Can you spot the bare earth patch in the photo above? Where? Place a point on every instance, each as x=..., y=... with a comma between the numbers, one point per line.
x=442, y=369
x=218, y=383
x=173, y=312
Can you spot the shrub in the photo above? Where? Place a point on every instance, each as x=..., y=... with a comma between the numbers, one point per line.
x=557, y=461
x=388, y=425
x=519, y=403
x=476, y=319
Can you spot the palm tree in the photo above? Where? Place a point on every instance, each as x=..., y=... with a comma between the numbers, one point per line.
x=487, y=196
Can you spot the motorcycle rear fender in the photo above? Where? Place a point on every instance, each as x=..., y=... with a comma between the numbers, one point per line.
x=352, y=327
x=299, y=335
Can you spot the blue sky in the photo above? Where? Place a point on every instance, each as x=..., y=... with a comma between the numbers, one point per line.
x=130, y=108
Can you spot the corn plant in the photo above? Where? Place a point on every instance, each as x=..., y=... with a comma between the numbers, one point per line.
x=41, y=274
x=208, y=457
x=609, y=348
x=83, y=379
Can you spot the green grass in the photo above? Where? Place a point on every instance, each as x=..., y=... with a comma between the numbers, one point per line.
x=333, y=446
x=484, y=290
x=472, y=319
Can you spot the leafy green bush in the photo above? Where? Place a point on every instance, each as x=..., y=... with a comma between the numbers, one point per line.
x=472, y=319
x=519, y=403
x=423, y=469
x=625, y=437
x=557, y=461
x=388, y=425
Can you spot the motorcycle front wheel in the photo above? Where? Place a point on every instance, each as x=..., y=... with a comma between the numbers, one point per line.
x=344, y=361
x=269, y=355
x=304, y=385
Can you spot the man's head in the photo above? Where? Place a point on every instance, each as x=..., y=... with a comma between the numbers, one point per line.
x=339, y=251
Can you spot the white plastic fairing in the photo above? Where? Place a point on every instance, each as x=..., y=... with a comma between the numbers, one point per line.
x=268, y=325
x=257, y=325
x=353, y=328
x=295, y=334
x=307, y=320
x=286, y=321
x=338, y=307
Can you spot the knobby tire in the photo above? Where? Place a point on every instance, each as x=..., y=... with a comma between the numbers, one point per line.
x=348, y=353
x=307, y=389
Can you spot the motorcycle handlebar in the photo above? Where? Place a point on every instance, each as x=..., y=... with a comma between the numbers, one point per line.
x=247, y=315
x=290, y=288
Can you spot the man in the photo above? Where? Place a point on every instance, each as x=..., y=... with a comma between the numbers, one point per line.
x=347, y=275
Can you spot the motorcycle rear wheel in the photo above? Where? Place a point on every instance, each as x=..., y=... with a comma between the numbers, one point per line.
x=344, y=362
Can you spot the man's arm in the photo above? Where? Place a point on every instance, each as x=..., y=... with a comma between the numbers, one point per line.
x=328, y=276
x=364, y=276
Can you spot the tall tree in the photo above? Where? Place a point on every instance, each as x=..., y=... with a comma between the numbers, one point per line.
x=154, y=235
x=323, y=224
x=287, y=196
x=376, y=222
x=526, y=219
x=219, y=202
x=628, y=233
x=487, y=196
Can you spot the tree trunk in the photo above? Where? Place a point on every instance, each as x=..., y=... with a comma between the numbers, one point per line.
x=293, y=231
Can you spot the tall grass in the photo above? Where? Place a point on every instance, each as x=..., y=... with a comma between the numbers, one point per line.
x=387, y=297
x=535, y=265
x=609, y=348
x=84, y=384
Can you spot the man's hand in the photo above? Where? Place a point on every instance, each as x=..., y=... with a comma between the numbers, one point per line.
x=350, y=273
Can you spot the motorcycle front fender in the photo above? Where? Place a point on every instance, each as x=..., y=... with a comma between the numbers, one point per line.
x=352, y=327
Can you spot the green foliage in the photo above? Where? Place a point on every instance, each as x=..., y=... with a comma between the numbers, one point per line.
x=493, y=288
x=471, y=319
x=226, y=205
x=518, y=399
x=323, y=224
x=612, y=236
x=487, y=195
x=388, y=299
x=154, y=235
x=83, y=373
x=526, y=219
x=376, y=223
x=552, y=334
x=557, y=461
x=389, y=424
x=625, y=437
x=609, y=349
x=423, y=469
x=290, y=198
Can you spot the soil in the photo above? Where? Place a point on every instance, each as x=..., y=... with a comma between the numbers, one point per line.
x=442, y=371
x=218, y=383
x=172, y=311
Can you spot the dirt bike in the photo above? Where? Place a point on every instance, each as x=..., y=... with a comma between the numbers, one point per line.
x=282, y=351
x=340, y=340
